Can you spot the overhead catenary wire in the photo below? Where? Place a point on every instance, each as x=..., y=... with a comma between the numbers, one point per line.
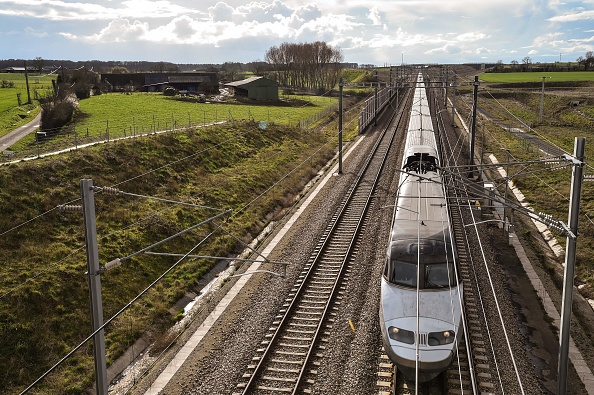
x=448, y=180
x=496, y=299
x=54, y=265
x=115, y=191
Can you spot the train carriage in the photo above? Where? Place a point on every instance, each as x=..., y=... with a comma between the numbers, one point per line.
x=420, y=306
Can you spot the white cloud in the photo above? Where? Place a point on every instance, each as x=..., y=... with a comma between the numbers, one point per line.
x=119, y=30
x=577, y=16
x=374, y=15
x=29, y=31
x=368, y=30
x=471, y=36
x=221, y=12
x=446, y=49
x=59, y=10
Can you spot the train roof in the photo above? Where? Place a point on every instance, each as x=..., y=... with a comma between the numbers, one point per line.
x=424, y=251
x=421, y=206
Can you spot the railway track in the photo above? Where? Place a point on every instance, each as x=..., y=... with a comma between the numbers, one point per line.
x=470, y=372
x=289, y=357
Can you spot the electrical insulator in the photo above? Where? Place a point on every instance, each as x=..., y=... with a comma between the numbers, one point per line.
x=70, y=208
x=115, y=263
x=110, y=190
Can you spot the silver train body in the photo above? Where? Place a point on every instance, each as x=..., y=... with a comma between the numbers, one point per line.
x=421, y=318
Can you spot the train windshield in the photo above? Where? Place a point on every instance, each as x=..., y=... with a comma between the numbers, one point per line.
x=435, y=275
x=439, y=275
x=431, y=258
x=403, y=274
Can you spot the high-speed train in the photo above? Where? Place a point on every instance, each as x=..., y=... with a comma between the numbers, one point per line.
x=420, y=306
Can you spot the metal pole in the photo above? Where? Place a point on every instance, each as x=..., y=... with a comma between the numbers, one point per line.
x=375, y=100
x=541, y=101
x=27, y=82
x=570, y=252
x=445, y=99
x=506, y=189
x=88, y=205
x=454, y=102
x=473, y=132
x=340, y=86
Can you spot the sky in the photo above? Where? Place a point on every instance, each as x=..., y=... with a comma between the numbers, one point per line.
x=378, y=32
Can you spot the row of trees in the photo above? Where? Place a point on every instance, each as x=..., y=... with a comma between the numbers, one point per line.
x=312, y=66
x=586, y=63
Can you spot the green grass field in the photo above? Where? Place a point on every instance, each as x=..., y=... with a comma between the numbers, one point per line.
x=561, y=76
x=13, y=115
x=120, y=115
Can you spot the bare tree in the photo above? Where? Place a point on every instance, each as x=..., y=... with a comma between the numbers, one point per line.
x=38, y=63
x=589, y=61
x=526, y=62
x=499, y=66
x=231, y=70
x=514, y=64
x=581, y=61
x=119, y=70
x=314, y=66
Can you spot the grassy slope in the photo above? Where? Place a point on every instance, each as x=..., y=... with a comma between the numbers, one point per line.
x=43, y=291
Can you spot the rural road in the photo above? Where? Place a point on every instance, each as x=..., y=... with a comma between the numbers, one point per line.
x=17, y=134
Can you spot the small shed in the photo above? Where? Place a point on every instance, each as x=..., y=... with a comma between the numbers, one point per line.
x=256, y=88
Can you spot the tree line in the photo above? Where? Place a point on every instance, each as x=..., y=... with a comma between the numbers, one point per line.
x=312, y=66
x=585, y=63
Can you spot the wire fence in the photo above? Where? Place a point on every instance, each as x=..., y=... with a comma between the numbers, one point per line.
x=73, y=138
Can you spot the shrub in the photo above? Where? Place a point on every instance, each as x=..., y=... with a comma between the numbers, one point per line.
x=57, y=113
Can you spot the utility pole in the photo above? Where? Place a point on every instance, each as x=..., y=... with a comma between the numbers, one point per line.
x=340, y=86
x=376, y=103
x=570, y=252
x=541, y=101
x=473, y=128
x=506, y=189
x=27, y=83
x=93, y=272
x=454, y=102
x=445, y=99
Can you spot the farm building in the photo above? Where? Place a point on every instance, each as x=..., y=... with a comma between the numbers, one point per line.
x=203, y=82
x=256, y=88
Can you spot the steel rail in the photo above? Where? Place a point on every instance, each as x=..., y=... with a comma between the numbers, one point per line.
x=360, y=194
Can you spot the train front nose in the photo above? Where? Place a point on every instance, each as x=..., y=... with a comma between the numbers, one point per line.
x=435, y=349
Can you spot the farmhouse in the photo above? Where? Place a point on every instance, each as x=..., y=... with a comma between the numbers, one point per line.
x=256, y=88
